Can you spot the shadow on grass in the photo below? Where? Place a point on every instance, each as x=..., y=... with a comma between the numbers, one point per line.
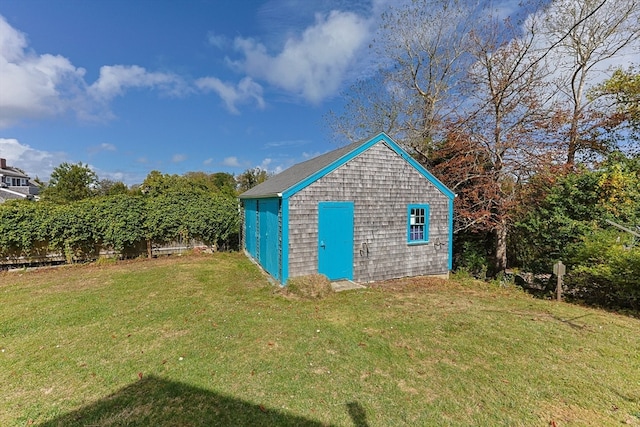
x=357, y=414
x=154, y=401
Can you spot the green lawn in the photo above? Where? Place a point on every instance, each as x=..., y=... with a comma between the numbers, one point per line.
x=205, y=340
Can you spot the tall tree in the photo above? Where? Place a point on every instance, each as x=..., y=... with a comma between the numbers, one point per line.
x=225, y=182
x=250, y=178
x=586, y=36
x=70, y=182
x=505, y=103
x=157, y=183
x=108, y=187
x=421, y=48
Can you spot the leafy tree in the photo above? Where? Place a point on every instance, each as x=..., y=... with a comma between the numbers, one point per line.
x=619, y=98
x=250, y=178
x=216, y=182
x=107, y=187
x=70, y=183
x=225, y=182
x=559, y=209
x=201, y=180
x=157, y=183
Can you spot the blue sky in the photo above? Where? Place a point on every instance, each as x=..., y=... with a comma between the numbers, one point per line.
x=194, y=85
x=131, y=86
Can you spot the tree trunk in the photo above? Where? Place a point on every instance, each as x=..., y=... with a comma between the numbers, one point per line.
x=573, y=136
x=501, y=247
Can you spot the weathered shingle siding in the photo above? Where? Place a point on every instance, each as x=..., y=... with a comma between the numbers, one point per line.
x=381, y=184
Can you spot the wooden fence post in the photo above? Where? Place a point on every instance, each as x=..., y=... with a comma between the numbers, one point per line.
x=559, y=269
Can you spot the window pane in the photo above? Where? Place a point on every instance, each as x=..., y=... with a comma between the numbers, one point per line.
x=417, y=216
x=417, y=232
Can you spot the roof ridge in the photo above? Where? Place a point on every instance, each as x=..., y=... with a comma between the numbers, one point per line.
x=286, y=179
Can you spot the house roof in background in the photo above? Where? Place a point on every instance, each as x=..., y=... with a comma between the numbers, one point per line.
x=9, y=171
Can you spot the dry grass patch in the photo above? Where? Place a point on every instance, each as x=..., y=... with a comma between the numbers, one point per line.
x=313, y=286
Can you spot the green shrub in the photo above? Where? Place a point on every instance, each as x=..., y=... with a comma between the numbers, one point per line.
x=122, y=223
x=471, y=258
x=605, y=271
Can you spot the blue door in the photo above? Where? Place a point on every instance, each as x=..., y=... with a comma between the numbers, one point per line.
x=269, y=248
x=250, y=222
x=335, y=240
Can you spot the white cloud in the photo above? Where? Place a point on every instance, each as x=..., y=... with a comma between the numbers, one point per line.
x=177, y=158
x=265, y=164
x=34, y=162
x=231, y=162
x=39, y=163
x=286, y=143
x=36, y=86
x=217, y=40
x=314, y=64
x=33, y=86
x=115, y=79
x=307, y=155
x=105, y=146
x=244, y=92
x=208, y=162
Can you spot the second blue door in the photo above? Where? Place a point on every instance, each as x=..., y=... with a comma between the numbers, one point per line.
x=269, y=248
x=335, y=240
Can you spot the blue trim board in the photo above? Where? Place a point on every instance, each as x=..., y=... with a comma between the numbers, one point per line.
x=285, y=241
x=451, y=234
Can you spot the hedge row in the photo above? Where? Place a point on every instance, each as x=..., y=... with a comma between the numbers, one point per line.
x=126, y=224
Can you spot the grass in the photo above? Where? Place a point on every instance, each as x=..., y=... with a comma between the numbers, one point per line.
x=205, y=340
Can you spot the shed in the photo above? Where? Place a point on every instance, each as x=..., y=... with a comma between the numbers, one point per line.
x=364, y=212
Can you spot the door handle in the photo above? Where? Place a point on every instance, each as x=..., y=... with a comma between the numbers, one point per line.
x=322, y=245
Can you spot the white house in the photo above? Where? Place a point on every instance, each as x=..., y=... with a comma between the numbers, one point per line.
x=15, y=184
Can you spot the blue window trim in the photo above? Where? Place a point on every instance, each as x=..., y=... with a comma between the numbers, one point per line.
x=425, y=231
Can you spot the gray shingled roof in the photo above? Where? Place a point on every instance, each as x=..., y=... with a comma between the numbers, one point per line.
x=9, y=171
x=297, y=173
